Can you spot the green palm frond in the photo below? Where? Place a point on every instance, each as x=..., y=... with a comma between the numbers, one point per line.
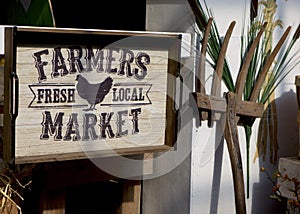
x=214, y=43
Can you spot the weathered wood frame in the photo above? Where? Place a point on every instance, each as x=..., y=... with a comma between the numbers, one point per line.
x=16, y=36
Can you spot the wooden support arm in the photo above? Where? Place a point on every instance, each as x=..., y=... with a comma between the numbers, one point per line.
x=218, y=104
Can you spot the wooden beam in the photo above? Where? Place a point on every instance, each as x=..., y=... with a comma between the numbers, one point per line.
x=218, y=104
x=251, y=109
x=209, y=102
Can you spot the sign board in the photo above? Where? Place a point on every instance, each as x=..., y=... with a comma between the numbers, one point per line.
x=73, y=94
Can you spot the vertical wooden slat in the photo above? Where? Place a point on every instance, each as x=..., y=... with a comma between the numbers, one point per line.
x=131, y=197
x=53, y=201
x=9, y=54
x=297, y=83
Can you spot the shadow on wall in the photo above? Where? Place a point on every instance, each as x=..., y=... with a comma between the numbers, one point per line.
x=287, y=134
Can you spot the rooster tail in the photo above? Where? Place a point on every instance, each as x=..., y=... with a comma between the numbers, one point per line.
x=108, y=81
x=104, y=88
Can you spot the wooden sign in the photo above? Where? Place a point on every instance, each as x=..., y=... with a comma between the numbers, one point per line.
x=73, y=94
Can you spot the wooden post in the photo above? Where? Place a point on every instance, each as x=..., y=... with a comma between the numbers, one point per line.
x=131, y=197
x=232, y=140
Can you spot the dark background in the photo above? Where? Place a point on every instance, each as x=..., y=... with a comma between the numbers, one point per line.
x=92, y=14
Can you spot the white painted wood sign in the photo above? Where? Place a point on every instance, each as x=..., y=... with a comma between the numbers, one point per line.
x=73, y=94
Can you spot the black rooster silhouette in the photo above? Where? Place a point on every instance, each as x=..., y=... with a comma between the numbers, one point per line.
x=93, y=93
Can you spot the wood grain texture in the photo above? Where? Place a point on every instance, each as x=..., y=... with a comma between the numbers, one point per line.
x=131, y=203
x=216, y=85
x=218, y=104
x=57, y=122
x=232, y=140
x=152, y=118
x=200, y=84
